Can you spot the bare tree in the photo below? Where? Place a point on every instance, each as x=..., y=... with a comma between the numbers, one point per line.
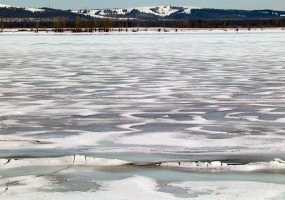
x=59, y=24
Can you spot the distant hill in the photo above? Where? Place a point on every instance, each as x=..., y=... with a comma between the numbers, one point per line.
x=10, y=12
x=181, y=13
x=157, y=16
x=143, y=13
x=158, y=12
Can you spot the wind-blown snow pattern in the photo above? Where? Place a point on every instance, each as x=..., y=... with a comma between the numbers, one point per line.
x=146, y=115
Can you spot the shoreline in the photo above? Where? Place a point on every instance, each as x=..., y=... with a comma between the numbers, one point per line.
x=139, y=30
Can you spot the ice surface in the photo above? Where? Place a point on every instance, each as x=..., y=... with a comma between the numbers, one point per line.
x=75, y=160
x=148, y=97
x=225, y=190
x=195, y=166
x=195, y=96
x=139, y=187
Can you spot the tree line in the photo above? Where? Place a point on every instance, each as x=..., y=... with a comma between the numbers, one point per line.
x=60, y=24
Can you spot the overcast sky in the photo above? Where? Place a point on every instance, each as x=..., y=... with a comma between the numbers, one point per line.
x=66, y=4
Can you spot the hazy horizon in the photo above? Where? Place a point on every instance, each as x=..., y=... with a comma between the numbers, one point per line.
x=222, y=4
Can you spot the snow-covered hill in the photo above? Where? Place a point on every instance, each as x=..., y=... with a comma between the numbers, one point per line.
x=27, y=9
x=154, y=13
x=158, y=11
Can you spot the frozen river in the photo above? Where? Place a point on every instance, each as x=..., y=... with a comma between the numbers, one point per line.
x=79, y=113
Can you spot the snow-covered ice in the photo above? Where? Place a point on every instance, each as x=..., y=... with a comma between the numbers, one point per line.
x=207, y=97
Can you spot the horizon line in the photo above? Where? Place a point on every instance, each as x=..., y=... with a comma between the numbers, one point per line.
x=133, y=7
